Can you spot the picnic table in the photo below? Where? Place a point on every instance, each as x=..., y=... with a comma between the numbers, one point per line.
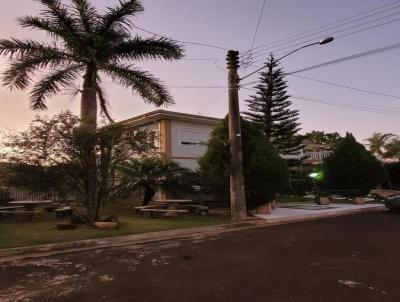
x=177, y=206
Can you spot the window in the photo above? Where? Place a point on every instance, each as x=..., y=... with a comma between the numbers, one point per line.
x=195, y=137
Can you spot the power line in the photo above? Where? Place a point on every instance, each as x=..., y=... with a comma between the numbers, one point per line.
x=217, y=96
x=347, y=87
x=348, y=58
x=256, y=31
x=327, y=25
x=179, y=41
x=348, y=105
x=340, y=31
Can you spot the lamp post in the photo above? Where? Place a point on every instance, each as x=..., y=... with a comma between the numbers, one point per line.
x=237, y=189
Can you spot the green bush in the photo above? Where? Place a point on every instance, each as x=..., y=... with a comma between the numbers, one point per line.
x=352, y=167
x=393, y=175
x=265, y=172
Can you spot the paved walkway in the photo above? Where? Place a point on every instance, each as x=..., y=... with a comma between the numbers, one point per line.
x=287, y=212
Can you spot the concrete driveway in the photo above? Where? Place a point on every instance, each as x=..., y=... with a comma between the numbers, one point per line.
x=352, y=258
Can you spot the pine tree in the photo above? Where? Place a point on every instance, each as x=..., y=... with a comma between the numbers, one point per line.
x=270, y=109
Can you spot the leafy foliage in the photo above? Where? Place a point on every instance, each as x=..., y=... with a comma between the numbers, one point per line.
x=394, y=175
x=265, y=172
x=50, y=154
x=378, y=142
x=322, y=138
x=152, y=173
x=270, y=109
x=352, y=167
x=392, y=148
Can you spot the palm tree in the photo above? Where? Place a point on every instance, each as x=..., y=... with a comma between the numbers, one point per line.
x=377, y=142
x=89, y=44
x=150, y=174
x=393, y=148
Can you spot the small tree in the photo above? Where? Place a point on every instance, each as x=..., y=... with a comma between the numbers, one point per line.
x=352, y=167
x=150, y=174
x=265, y=173
x=53, y=148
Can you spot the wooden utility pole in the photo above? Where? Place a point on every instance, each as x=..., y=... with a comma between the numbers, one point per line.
x=237, y=190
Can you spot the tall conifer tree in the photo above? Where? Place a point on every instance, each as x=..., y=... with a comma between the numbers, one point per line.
x=270, y=108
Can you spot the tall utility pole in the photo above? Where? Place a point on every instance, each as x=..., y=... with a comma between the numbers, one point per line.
x=237, y=190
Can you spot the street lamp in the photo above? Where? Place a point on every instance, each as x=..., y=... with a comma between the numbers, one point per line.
x=321, y=42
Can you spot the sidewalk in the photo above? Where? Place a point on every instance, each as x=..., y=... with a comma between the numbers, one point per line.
x=290, y=212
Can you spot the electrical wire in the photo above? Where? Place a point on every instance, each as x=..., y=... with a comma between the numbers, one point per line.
x=347, y=87
x=349, y=105
x=256, y=31
x=337, y=32
x=179, y=41
x=348, y=58
x=289, y=39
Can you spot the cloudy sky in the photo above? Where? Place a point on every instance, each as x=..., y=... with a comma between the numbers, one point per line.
x=231, y=24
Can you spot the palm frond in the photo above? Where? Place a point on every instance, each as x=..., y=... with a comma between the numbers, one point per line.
x=51, y=84
x=118, y=17
x=148, y=87
x=58, y=13
x=16, y=47
x=42, y=24
x=103, y=101
x=87, y=14
x=150, y=48
x=18, y=74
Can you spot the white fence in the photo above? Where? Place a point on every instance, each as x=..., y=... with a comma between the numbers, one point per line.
x=23, y=195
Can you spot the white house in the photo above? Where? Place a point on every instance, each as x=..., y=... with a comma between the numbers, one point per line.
x=182, y=137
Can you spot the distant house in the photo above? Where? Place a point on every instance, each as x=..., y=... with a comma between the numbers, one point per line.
x=182, y=137
x=311, y=153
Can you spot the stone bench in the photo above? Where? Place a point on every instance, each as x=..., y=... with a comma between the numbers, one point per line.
x=153, y=213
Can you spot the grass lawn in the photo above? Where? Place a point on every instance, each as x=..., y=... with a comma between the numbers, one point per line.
x=43, y=229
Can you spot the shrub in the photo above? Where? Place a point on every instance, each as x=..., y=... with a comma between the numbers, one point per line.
x=393, y=175
x=265, y=172
x=352, y=167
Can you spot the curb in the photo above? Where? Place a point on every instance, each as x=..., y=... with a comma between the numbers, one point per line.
x=20, y=253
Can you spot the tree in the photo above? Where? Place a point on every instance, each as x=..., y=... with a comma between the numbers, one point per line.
x=393, y=148
x=352, y=167
x=322, y=138
x=150, y=174
x=270, y=109
x=86, y=43
x=265, y=172
x=51, y=152
x=378, y=142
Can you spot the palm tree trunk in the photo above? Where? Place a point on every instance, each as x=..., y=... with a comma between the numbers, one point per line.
x=88, y=131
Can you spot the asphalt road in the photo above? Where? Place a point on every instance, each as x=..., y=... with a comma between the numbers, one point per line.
x=352, y=258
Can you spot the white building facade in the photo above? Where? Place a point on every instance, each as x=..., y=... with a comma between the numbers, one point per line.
x=181, y=137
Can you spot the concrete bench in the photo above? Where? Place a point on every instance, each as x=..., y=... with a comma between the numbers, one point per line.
x=138, y=210
x=162, y=213
x=63, y=212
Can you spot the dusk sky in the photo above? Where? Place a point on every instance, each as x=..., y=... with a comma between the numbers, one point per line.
x=231, y=24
